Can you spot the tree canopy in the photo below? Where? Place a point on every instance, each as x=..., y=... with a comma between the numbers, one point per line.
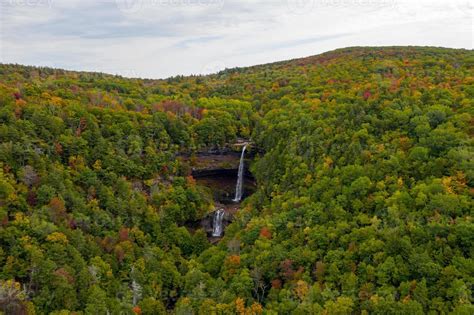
x=364, y=197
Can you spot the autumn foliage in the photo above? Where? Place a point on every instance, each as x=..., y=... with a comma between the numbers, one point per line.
x=362, y=163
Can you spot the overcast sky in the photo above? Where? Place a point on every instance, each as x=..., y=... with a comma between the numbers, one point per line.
x=162, y=38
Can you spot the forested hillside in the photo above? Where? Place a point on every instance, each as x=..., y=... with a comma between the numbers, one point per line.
x=364, y=198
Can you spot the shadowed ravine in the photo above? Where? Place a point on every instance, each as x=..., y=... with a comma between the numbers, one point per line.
x=230, y=183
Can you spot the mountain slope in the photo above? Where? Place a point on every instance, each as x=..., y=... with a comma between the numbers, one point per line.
x=364, y=199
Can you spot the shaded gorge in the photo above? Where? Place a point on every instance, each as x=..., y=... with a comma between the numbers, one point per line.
x=229, y=180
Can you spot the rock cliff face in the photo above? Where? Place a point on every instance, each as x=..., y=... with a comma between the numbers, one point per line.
x=223, y=161
x=218, y=171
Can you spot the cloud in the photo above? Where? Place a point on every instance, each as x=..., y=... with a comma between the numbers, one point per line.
x=161, y=38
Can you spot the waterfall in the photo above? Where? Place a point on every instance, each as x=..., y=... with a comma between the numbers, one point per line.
x=136, y=288
x=217, y=223
x=240, y=178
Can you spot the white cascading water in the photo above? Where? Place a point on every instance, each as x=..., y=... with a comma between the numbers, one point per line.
x=240, y=178
x=217, y=223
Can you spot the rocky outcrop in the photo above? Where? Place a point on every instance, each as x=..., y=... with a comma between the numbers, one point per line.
x=198, y=173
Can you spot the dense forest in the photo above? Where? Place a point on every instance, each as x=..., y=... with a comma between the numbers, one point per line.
x=364, y=199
